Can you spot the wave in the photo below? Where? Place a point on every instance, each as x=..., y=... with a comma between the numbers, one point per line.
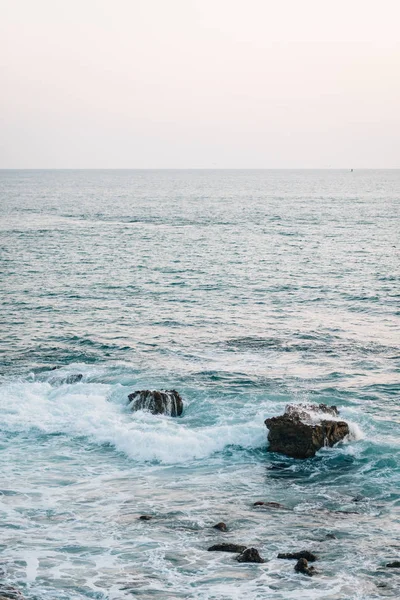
x=98, y=412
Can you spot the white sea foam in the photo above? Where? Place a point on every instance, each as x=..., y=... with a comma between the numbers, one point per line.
x=84, y=410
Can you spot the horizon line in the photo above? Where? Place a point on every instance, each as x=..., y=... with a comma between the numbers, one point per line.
x=200, y=168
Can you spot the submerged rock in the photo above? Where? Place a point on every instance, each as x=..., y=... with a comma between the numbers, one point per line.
x=227, y=548
x=250, y=555
x=297, y=555
x=394, y=565
x=69, y=379
x=302, y=567
x=221, y=526
x=166, y=402
x=269, y=504
x=303, y=429
x=8, y=592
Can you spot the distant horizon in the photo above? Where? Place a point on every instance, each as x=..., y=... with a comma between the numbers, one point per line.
x=349, y=169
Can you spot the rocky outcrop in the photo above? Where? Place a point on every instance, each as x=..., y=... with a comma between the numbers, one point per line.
x=250, y=555
x=166, y=402
x=394, y=565
x=270, y=504
x=8, y=592
x=227, y=548
x=221, y=526
x=297, y=555
x=65, y=379
x=302, y=567
x=305, y=428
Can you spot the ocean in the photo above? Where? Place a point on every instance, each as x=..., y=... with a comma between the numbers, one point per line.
x=244, y=291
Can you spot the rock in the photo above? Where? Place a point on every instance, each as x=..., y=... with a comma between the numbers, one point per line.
x=227, y=548
x=358, y=498
x=250, y=555
x=394, y=565
x=297, y=555
x=269, y=504
x=302, y=567
x=303, y=429
x=166, y=402
x=304, y=410
x=145, y=518
x=221, y=526
x=69, y=379
x=8, y=592
x=331, y=536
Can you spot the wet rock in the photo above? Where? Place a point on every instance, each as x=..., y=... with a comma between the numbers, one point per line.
x=8, y=592
x=394, y=565
x=269, y=504
x=358, y=498
x=227, y=548
x=250, y=555
x=303, y=429
x=331, y=536
x=166, y=402
x=303, y=410
x=297, y=555
x=67, y=379
x=145, y=517
x=302, y=567
x=220, y=526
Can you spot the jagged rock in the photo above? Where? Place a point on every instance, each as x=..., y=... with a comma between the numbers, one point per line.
x=303, y=410
x=69, y=379
x=303, y=429
x=166, y=402
x=269, y=504
x=221, y=526
x=302, y=567
x=145, y=518
x=297, y=555
x=8, y=592
x=359, y=498
x=394, y=565
x=227, y=548
x=250, y=555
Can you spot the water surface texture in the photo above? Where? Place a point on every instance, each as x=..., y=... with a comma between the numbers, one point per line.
x=243, y=290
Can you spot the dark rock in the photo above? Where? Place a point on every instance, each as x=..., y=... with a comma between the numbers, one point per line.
x=227, y=548
x=221, y=526
x=69, y=379
x=394, y=565
x=145, y=518
x=8, y=592
x=297, y=555
x=303, y=429
x=358, y=498
x=74, y=378
x=250, y=555
x=331, y=536
x=304, y=410
x=269, y=504
x=302, y=567
x=345, y=512
x=166, y=402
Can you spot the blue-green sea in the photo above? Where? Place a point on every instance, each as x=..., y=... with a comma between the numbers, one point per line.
x=244, y=291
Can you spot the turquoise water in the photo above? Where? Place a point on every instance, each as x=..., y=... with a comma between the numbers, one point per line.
x=244, y=290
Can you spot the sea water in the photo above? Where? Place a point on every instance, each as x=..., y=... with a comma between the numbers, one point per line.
x=243, y=290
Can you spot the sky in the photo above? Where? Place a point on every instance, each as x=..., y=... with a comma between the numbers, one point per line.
x=199, y=84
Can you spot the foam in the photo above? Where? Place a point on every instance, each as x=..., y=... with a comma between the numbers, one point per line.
x=84, y=410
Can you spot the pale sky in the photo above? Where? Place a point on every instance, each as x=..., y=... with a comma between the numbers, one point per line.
x=199, y=83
